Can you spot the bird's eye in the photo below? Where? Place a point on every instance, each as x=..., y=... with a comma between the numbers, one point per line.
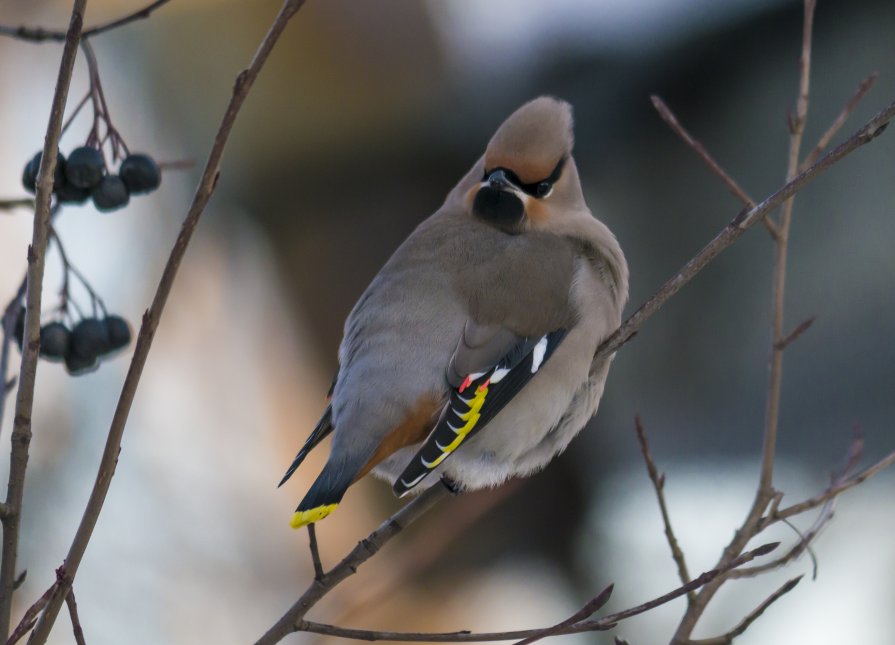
x=543, y=189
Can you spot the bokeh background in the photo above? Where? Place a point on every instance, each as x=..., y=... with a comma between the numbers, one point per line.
x=364, y=118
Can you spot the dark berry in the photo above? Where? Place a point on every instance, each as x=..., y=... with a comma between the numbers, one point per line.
x=89, y=339
x=85, y=167
x=110, y=194
x=29, y=176
x=77, y=365
x=119, y=332
x=54, y=341
x=140, y=173
x=69, y=194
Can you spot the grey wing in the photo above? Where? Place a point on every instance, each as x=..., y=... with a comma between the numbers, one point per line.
x=480, y=348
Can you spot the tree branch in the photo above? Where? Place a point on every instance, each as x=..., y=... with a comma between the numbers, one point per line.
x=41, y=35
x=727, y=639
x=12, y=204
x=364, y=550
x=743, y=221
x=21, y=432
x=658, y=480
x=315, y=551
x=765, y=492
x=831, y=492
x=849, y=107
x=599, y=624
x=244, y=82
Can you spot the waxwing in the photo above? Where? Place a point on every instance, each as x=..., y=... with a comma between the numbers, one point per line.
x=470, y=355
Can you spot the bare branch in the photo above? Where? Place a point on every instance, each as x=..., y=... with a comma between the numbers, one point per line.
x=364, y=550
x=791, y=337
x=834, y=490
x=21, y=432
x=594, y=604
x=30, y=616
x=244, y=82
x=824, y=141
x=315, y=551
x=12, y=204
x=727, y=639
x=658, y=480
x=599, y=624
x=75, y=620
x=40, y=35
x=765, y=492
x=742, y=222
x=672, y=121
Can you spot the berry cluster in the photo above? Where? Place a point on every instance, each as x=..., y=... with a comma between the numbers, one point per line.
x=84, y=174
x=82, y=347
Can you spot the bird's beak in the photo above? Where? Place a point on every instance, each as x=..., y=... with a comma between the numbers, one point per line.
x=499, y=180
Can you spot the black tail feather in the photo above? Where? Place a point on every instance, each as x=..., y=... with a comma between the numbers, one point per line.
x=320, y=432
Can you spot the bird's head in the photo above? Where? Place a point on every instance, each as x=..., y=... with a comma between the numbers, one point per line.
x=529, y=175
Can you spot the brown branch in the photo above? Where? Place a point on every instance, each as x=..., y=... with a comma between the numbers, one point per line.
x=599, y=624
x=315, y=551
x=743, y=221
x=849, y=107
x=658, y=480
x=728, y=638
x=21, y=432
x=735, y=189
x=40, y=35
x=765, y=492
x=672, y=121
x=75, y=620
x=792, y=336
x=594, y=604
x=364, y=550
x=244, y=82
x=833, y=491
x=12, y=204
x=30, y=616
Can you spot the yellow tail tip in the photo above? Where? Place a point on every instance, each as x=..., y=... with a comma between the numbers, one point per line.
x=303, y=518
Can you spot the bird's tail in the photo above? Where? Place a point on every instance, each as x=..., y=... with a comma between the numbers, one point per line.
x=325, y=494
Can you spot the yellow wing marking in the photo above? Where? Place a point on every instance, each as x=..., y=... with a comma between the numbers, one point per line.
x=471, y=417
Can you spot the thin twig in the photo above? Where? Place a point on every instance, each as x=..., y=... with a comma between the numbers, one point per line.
x=30, y=616
x=849, y=107
x=658, y=480
x=12, y=204
x=834, y=491
x=315, y=551
x=364, y=550
x=765, y=491
x=804, y=544
x=599, y=624
x=744, y=220
x=244, y=82
x=37, y=251
x=700, y=150
x=728, y=638
x=75, y=620
x=792, y=336
x=594, y=604
x=40, y=35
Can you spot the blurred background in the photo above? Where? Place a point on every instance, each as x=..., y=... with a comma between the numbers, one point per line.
x=365, y=117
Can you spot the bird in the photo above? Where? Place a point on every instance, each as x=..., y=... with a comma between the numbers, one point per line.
x=470, y=355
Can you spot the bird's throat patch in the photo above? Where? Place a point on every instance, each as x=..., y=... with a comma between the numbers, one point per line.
x=499, y=208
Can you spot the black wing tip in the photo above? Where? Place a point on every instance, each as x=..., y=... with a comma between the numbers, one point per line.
x=300, y=457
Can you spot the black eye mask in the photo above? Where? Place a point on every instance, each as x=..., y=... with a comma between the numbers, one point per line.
x=537, y=189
